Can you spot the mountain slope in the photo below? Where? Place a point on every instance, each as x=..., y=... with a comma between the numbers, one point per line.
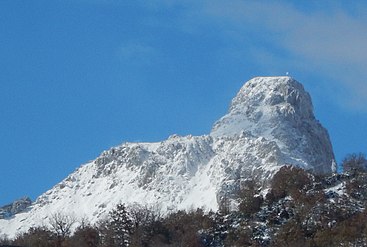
x=270, y=123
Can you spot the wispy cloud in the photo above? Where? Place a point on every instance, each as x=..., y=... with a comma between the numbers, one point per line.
x=329, y=41
x=336, y=46
x=324, y=38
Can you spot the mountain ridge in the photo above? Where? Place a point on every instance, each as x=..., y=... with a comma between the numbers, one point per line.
x=270, y=123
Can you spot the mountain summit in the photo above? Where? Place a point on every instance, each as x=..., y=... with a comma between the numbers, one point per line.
x=270, y=124
x=279, y=109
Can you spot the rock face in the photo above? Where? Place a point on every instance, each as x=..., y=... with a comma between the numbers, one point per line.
x=15, y=207
x=280, y=110
x=270, y=123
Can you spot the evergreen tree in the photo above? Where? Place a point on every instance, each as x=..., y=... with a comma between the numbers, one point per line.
x=121, y=226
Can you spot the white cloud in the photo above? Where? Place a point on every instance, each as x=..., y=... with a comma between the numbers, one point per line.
x=331, y=41
x=327, y=40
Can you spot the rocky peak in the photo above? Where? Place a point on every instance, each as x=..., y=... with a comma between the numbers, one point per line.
x=277, y=93
x=279, y=109
x=15, y=207
x=266, y=100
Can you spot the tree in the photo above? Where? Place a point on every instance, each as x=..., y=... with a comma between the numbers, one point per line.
x=250, y=201
x=85, y=236
x=144, y=221
x=121, y=226
x=290, y=235
x=36, y=236
x=183, y=228
x=353, y=163
x=61, y=225
x=289, y=181
x=105, y=233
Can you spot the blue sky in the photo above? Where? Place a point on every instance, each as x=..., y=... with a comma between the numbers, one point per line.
x=80, y=76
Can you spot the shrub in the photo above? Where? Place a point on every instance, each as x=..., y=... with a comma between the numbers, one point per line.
x=354, y=163
x=250, y=200
x=289, y=181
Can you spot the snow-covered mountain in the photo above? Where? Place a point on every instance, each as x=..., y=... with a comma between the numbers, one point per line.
x=270, y=123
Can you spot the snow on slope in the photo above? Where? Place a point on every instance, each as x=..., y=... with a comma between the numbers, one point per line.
x=270, y=123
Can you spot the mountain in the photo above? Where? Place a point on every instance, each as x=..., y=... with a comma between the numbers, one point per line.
x=280, y=110
x=15, y=207
x=270, y=123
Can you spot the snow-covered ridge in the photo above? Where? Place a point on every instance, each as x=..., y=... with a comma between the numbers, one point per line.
x=270, y=123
